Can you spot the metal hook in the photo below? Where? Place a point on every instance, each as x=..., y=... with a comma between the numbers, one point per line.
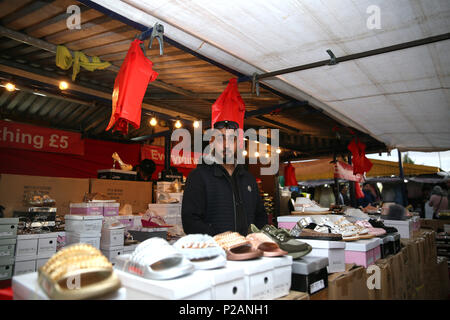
x=332, y=58
x=158, y=33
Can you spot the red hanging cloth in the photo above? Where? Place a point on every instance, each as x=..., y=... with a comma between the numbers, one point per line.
x=230, y=107
x=289, y=176
x=359, y=192
x=129, y=89
x=359, y=160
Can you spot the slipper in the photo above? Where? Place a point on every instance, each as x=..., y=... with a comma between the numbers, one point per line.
x=317, y=235
x=58, y=277
x=202, y=251
x=285, y=241
x=262, y=242
x=156, y=259
x=236, y=246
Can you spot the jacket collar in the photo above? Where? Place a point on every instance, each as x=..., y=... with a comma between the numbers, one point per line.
x=219, y=170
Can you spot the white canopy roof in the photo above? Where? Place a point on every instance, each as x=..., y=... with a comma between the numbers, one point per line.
x=401, y=98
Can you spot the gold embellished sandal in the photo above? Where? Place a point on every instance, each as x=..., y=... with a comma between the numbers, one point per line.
x=76, y=272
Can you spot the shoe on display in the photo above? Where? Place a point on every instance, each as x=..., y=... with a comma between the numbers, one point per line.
x=264, y=243
x=156, y=259
x=202, y=251
x=83, y=261
x=237, y=247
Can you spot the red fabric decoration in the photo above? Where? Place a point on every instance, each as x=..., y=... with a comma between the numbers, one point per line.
x=230, y=107
x=289, y=176
x=359, y=160
x=129, y=89
x=359, y=192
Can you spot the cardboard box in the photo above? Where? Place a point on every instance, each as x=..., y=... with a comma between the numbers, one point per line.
x=333, y=250
x=137, y=194
x=15, y=188
x=349, y=284
x=295, y=295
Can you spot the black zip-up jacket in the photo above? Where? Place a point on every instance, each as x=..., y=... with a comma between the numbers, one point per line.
x=214, y=202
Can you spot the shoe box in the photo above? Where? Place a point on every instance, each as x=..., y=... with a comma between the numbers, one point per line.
x=259, y=277
x=26, y=287
x=174, y=195
x=8, y=227
x=147, y=233
x=309, y=274
x=112, y=237
x=130, y=222
x=112, y=252
x=282, y=275
x=129, y=249
x=189, y=287
x=85, y=225
x=362, y=252
x=405, y=227
x=107, y=209
x=92, y=239
x=228, y=284
x=333, y=250
x=28, y=264
x=115, y=174
x=394, y=242
x=288, y=222
x=111, y=209
x=171, y=213
x=6, y=267
x=385, y=247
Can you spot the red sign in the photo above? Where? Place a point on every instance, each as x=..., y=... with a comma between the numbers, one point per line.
x=28, y=137
x=156, y=154
x=344, y=171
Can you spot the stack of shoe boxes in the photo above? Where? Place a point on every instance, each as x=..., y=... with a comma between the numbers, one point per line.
x=33, y=251
x=112, y=241
x=83, y=229
x=8, y=240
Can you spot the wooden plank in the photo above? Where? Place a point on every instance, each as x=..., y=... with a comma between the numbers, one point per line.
x=178, y=70
x=35, y=12
x=8, y=7
x=59, y=23
x=116, y=34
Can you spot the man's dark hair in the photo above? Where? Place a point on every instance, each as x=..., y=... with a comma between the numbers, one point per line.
x=147, y=166
x=396, y=212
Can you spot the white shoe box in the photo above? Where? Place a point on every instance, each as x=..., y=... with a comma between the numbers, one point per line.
x=112, y=252
x=404, y=227
x=26, y=287
x=129, y=249
x=8, y=227
x=24, y=265
x=112, y=237
x=228, y=284
x=47, y=243
x=282, y=275
x=7, y=248
x=92, y=239
x=189, y=287
x=130, y=222
x=333, y=250
x=6, y=267
x=258, y=277
x=27, y=245
x=83, y=224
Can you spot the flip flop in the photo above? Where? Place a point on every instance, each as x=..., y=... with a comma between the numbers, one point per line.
x=236, y=246
x=76, y=272
x=202, y=251
x=156, y=259
x=262, y=242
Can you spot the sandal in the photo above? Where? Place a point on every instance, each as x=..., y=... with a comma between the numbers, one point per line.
x=373, y=231
x=236, y=246
x=79, y=271
x=262, y=242
x=202, y=251
x=285, y=241
x=156, y=259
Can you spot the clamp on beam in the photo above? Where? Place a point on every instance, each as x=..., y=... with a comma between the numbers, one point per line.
x=332, y=58
x=255, y=84
x=158, y=33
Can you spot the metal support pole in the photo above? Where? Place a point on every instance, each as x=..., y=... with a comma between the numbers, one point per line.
x=402, y=177
x=336, y=183
x=352, y=188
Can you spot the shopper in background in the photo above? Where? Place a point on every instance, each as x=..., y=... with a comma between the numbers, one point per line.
x=438, y=200
x=294, y=196
x=145, y=170
x=369, y=198
x=344, y=199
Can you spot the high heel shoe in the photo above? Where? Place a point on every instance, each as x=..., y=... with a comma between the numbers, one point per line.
x=123, y=166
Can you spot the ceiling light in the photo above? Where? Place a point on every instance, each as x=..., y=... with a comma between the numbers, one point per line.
x=196, y=124
x=256, y=154
x=63, y=85
x=244, y=153
x=267, y=155
x=278, y=150
x=178, y=124
x=153, y=122
x=10, y=86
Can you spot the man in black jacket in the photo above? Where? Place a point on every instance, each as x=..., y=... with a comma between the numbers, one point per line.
x=222, y=197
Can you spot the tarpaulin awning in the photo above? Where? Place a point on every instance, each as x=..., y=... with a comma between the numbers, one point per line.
x=401, y=98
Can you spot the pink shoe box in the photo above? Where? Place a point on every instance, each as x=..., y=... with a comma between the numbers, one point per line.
x=87, y=208
x=377, y=250
x=111, y=209
x=288, y=222
x=361, y=252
